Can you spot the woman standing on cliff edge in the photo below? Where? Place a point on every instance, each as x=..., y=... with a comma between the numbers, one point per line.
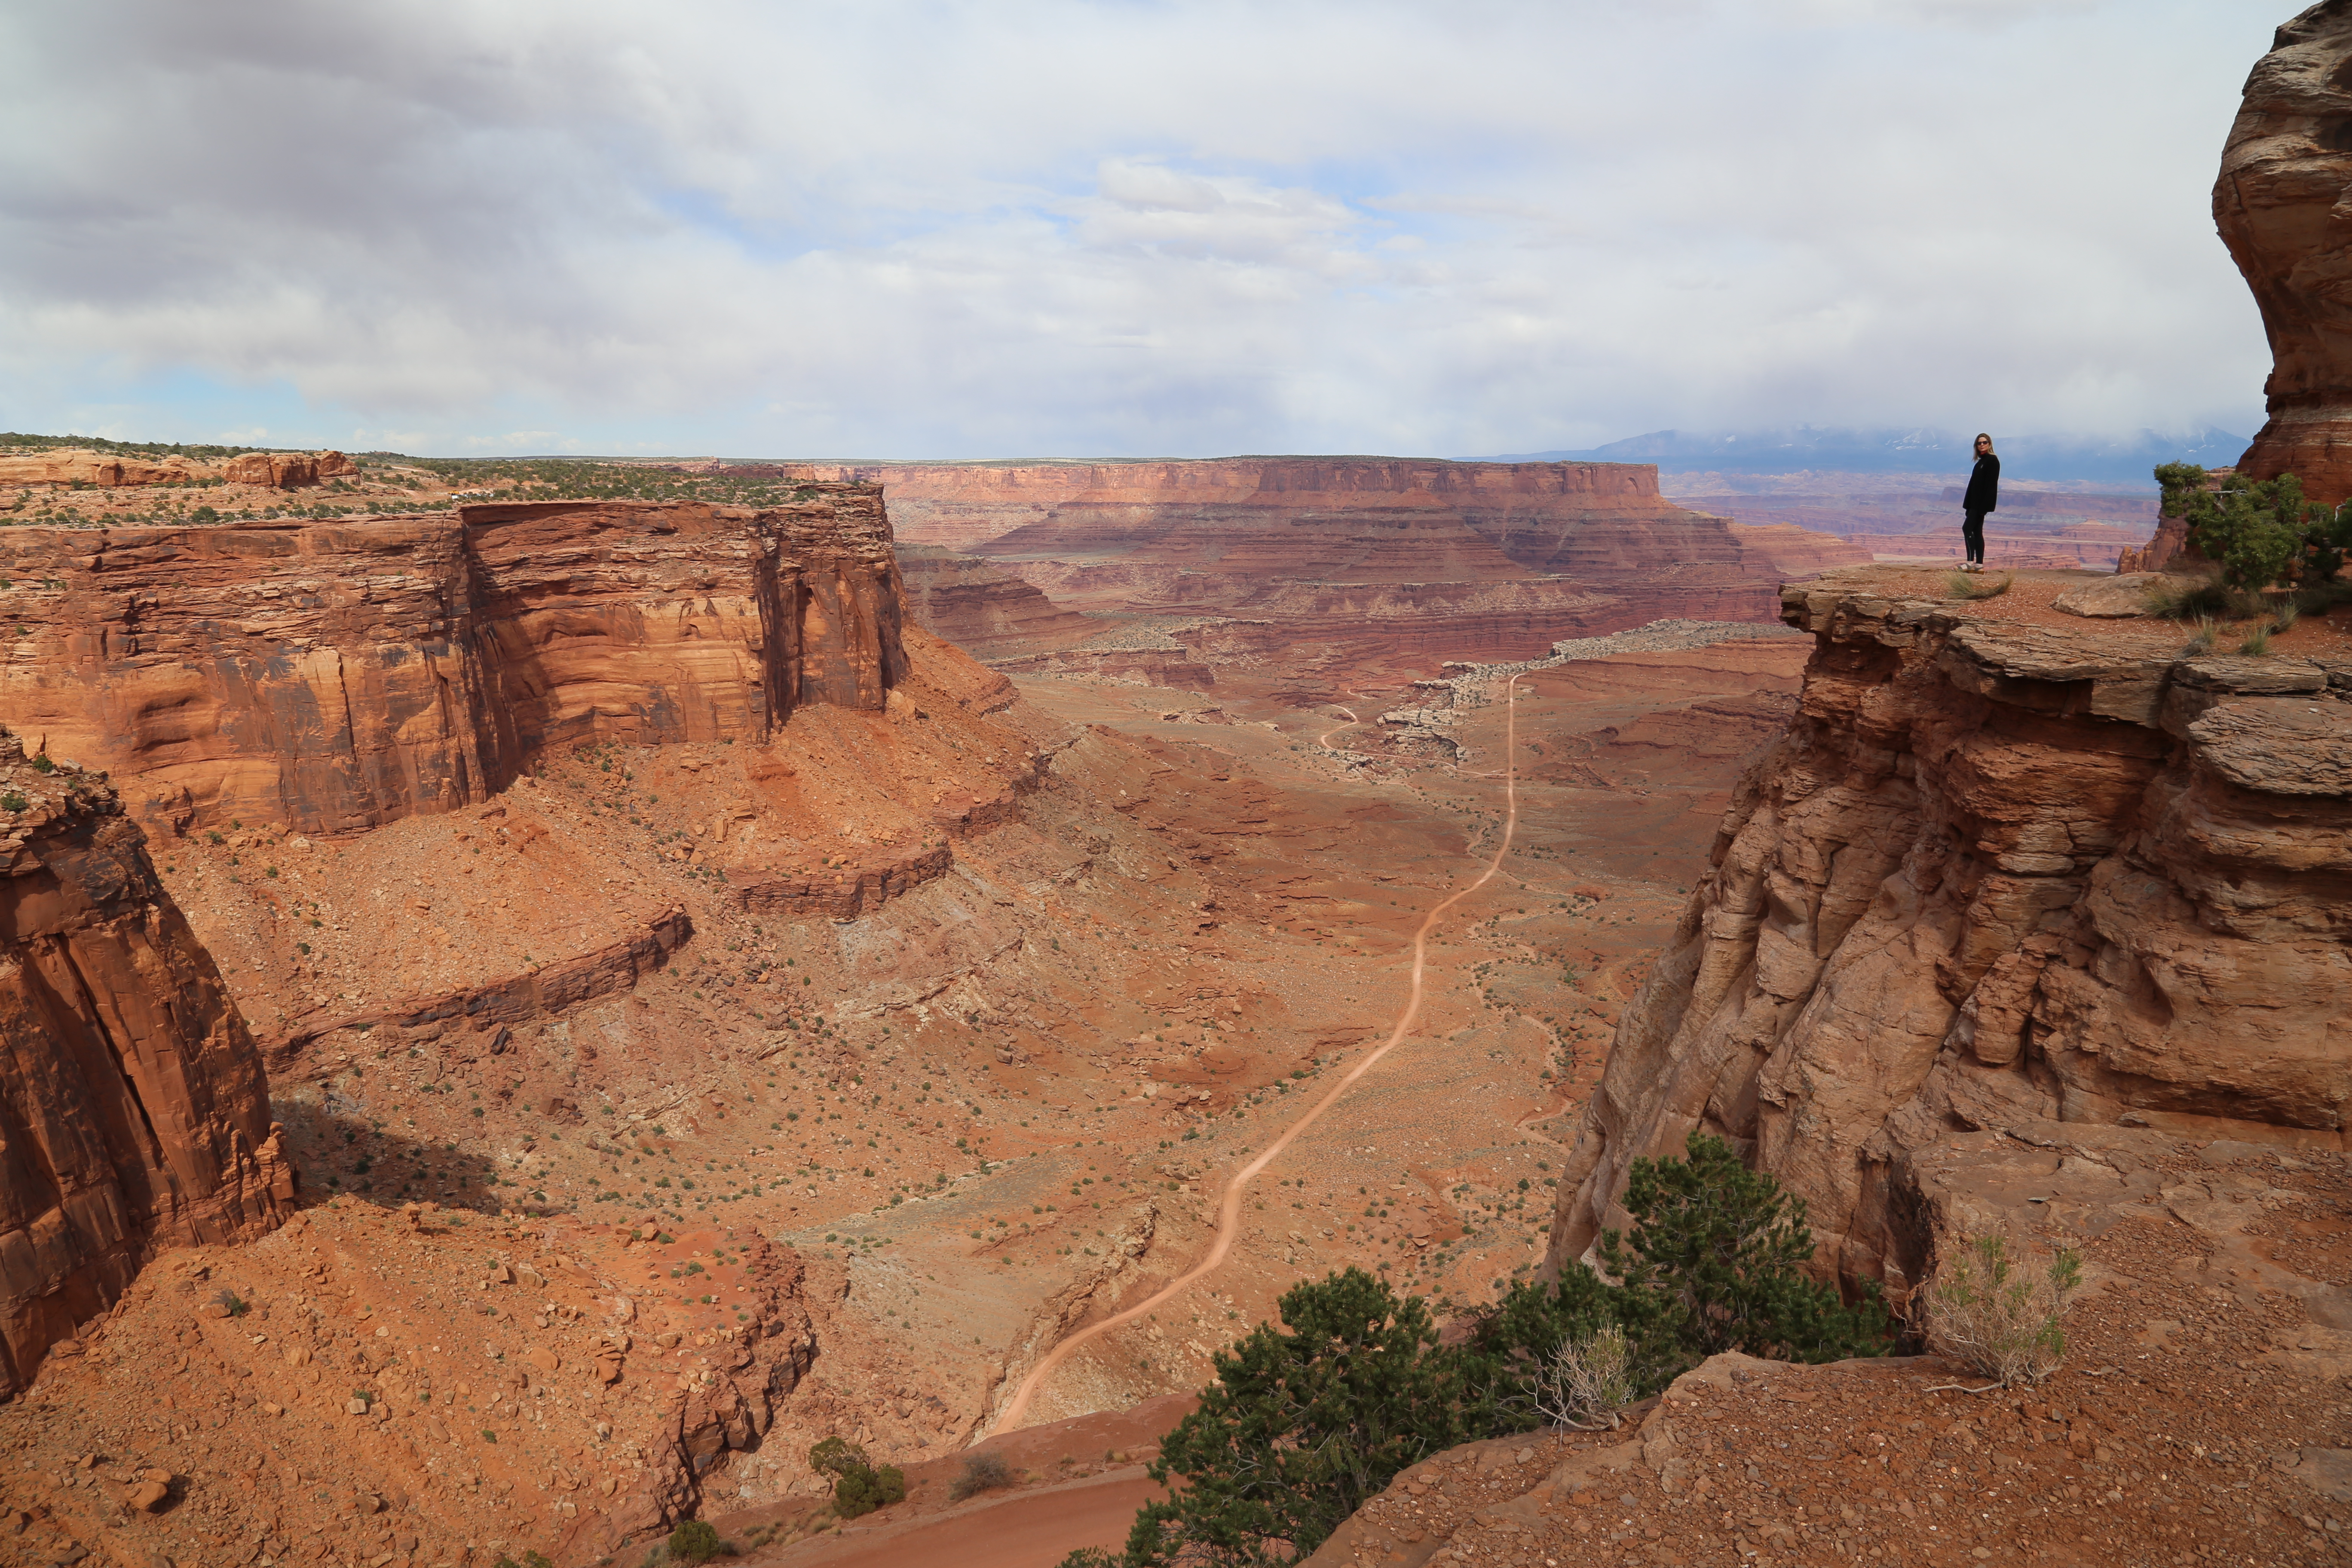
x=1984, y=495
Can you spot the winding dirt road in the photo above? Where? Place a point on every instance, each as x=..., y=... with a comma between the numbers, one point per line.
x=1229, y=1207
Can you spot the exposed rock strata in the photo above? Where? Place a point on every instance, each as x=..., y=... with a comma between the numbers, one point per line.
x=134, y=1114
x=1995, y=872
x=100, y=470
x=337, y=675
x=2280, y=204
x=1317, y=544
x=983, y=609
x=490, y=1010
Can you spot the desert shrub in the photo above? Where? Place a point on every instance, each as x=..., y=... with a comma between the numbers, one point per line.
x=2187, y=598
x=983, y=1472
x=1714, y=1262
x=12, y=801
x=1301, y=1428
x=2002, y=1318
x=2282, y=619
x=2258, y=641
x=862, y=1488
x=1585, y=1382
x=696, y=1540
x=1091, y=1557
x=1970, y=585
x=2201, y=639
x=2257, y=531
x=237, y=1305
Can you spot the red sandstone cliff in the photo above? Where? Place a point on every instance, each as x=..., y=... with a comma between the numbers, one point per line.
x=68, y=466
x=2280, y=205
x=983, y=609
x=1996, y=875
x=1207, y=535
x=337, y=675
x=132, y=1111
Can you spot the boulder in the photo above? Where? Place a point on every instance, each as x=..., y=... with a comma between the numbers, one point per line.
x=2109, y=597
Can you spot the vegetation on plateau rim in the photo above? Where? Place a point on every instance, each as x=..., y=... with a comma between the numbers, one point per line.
x=2258, y=532
x=475, y=481
x=1303, y=1426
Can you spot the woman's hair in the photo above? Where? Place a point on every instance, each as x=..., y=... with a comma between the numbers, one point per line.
x=1983, y=436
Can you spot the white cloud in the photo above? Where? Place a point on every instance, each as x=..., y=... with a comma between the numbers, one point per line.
x=996, y=226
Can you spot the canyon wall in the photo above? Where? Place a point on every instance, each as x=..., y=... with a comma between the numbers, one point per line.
x=102, y=471
x=983, y=609
x=335, y=676
x=2280, y=204
x=1216, y=535
x=1996, y=875
x=134, y=1114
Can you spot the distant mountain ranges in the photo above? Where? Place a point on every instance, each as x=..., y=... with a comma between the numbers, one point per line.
x=2120, y=460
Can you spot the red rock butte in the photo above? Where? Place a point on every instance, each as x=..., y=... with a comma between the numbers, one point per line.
x=2280, y=205
x=337, y=676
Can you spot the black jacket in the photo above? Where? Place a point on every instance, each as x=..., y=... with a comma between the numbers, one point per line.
x=1984, y=486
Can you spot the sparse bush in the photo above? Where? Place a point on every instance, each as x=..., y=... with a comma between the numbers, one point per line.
x=12, y=801
x=2001, y=1318
x=235, y=1304
x=1969, y=585
x=2201, y=639
x=696, y=1540
x=1091, y=1557
x=983, y=1472
x=2282, y=619
x=864, y=1489
x=1586, y=1381
x=2257, y=643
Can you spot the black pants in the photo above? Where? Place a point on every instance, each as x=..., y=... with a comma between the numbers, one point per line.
x=1972, y=536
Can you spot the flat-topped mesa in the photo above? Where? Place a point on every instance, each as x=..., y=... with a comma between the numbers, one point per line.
x=1996, y=875
x=134, y=1114
x=2280, y=205
x=335, y=676
x=104, y=470
x=1593, y=545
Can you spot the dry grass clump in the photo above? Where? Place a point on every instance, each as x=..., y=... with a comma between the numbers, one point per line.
x=1974, y=585
x=1998, y=1316
x=1586, y=1381
x=983, y=1472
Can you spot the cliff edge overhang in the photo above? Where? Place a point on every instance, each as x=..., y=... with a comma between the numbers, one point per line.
x=1996, y=875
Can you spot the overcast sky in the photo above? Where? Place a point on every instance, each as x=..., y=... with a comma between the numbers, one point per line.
x=877, y=229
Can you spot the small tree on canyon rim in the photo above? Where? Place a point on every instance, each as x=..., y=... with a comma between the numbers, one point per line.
x=2259, y=532
x=1302, y=1429
x=1714, y=1262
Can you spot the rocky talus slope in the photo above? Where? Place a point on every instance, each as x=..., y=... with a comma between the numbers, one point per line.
x=1996, y=874
x=133, y=1115
x=983, y=609
x=336, y=676
x=2279, y=204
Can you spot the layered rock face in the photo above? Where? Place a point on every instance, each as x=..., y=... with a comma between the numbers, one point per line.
x=1996, y=874
x=279, y=470
x=1222, y=535
x=337, y=675
x=2280, y=204
x=134, y=1114
x=983, y=609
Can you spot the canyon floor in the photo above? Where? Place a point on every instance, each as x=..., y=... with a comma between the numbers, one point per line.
x=986, y=1095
